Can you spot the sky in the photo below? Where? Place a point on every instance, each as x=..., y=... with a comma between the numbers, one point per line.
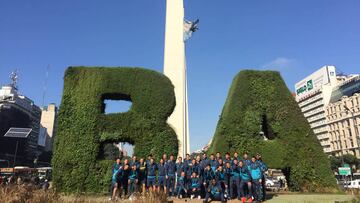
x=294, y=37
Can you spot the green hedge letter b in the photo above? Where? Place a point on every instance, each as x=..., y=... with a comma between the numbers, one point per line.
x=83, y=127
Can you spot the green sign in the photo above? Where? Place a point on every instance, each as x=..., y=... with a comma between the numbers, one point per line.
x=344, y=171
x=309, y=86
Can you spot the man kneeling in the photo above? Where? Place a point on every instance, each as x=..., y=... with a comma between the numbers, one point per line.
x=214, y=192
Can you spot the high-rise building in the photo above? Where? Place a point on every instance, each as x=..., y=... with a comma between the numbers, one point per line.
x=48, y=126
x=177, y=31
x=314, y=94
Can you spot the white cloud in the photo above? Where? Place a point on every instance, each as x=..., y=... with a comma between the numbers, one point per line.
x=280, y=63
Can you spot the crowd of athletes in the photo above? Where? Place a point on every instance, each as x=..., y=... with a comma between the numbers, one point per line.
x=213, y=178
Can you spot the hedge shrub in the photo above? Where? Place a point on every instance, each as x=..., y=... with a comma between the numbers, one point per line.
x=260, y=101
x=83, y=127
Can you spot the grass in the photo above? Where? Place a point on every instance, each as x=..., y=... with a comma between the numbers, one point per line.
x=31, y=194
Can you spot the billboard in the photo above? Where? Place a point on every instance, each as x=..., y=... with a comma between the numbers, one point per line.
x=323, y=76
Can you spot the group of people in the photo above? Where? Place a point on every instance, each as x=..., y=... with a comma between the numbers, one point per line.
x=214, y=178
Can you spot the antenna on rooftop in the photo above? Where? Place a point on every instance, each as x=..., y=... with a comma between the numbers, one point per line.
x=14, y=77
x=45, y=85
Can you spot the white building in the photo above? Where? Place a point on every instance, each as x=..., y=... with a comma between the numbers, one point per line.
x=313, y=95
x=48, y=126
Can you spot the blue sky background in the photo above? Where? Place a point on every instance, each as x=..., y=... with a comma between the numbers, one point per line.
x=293, y=37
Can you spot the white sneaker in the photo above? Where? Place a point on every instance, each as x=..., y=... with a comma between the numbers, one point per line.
x=180, y=196
x=199, y=197
x=192, y=197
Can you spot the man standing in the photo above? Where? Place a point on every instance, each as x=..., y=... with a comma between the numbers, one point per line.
x=246, y=160
x=256, y=176
x=151, y=175
x=213, y=162
x=170, y=170
x=116, y=169
x=227, y=158
x=161, y=176
x=235, y=179
x=245, y=182
x=133, y=180
x=263, y=168
x=142, y=175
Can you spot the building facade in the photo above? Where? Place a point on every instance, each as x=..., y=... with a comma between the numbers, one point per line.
x=48, y=126
x=18, y=111
x=343, y=118
x=313, y=94
x=329, y=103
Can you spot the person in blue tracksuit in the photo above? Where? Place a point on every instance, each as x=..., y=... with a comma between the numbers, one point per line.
x=228, y=176
x=124, y=176
x=134, y=161
x=161, y=182
x=235, y=156
x=214, y=192
x=256, y=176
x=204, y=161
x=213, y=162
x=227, y=158
x=246, y=159
x=148, y=159
x=180, y=167
x=170, y=170
x=218, y=156
x=221, y=163
x=187, y=160
x=116, y=170
x=164, y=157
x=263, y=168
x=195, y=186
x=220, y=178
x=208, y=175
x=245, y=182
x=133, y=180
x=181, y=190
x=193, y=167
x=151, y=175
x=235, y=179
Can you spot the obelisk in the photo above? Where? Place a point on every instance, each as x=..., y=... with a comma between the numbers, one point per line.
x=175, y=70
